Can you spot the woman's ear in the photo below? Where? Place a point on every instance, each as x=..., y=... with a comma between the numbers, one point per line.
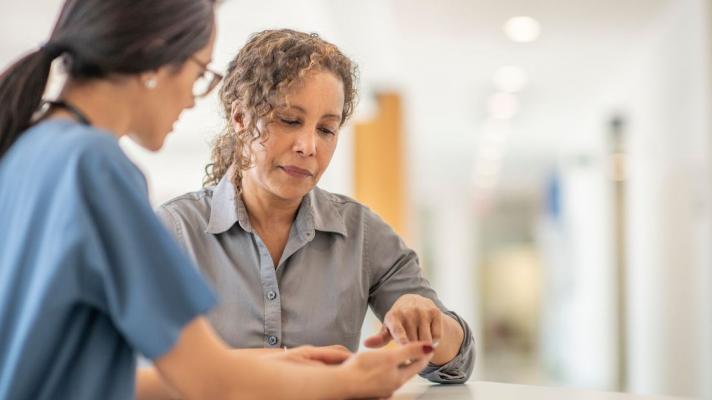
x=149, y=80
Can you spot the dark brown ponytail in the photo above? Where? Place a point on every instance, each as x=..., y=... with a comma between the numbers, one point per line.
x=21, y=89
x=99, y=38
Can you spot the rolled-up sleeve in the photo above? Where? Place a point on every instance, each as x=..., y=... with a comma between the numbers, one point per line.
x=459, y=369
x=394, y=271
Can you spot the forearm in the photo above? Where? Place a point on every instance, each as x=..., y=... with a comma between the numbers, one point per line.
x=200, y=366
x=273, y=380
x=150, y=385
x=263, y=378
x=450, y=342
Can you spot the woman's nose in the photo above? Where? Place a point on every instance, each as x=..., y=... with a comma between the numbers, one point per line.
x=305, y=143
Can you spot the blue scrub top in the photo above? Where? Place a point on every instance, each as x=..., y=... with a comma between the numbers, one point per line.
x=88, y=275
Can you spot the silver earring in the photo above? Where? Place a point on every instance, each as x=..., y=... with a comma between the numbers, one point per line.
x=151, y=83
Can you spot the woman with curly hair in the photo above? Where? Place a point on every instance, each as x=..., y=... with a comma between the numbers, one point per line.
x=292, y=263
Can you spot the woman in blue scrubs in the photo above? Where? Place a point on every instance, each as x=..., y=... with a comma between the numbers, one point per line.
x=88, y=276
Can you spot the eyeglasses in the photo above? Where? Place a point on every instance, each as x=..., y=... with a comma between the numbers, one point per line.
x=207, y=81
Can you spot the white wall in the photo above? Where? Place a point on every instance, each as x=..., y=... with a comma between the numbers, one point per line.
x=664, y=92
x=590, y=308
x=663, y=89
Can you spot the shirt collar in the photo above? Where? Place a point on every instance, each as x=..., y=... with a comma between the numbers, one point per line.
x=317, y=211
x=224, y=210
x=325, y=216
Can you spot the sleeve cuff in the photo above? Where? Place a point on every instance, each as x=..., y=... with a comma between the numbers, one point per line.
x=459, y=369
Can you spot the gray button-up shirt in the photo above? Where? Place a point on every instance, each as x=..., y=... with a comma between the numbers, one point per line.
x=340, y=258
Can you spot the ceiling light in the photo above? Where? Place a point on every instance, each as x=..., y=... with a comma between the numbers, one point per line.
x=522, y=29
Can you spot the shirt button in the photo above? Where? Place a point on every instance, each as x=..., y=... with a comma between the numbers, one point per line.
x=271, y=295
x=272, y=340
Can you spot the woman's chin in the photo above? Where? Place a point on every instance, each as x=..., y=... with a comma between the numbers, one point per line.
x=154, y=145
x=148, y=143
x=292, y=193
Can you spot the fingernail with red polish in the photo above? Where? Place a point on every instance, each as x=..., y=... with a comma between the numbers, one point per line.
x=427, y=349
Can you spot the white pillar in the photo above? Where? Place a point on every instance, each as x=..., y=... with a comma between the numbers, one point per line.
x=454, y=270
x=669, y=208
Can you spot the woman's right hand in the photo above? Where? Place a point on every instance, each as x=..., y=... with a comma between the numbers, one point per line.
x=379, y=373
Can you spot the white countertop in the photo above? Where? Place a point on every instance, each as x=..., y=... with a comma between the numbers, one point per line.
x=421, y=390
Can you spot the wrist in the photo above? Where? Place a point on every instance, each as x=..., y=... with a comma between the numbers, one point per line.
x=345, y=385
x=450, y=343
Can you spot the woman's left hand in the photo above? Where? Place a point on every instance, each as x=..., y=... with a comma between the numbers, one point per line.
x=411, y=318
x=417, y=318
